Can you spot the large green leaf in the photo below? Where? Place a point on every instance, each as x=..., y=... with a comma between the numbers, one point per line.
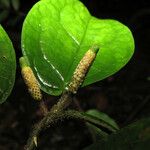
x=134, y=137
x=7, y=65
x=57, y=33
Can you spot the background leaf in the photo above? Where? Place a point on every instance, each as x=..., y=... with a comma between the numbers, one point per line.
x=15, y=4
x=92, y=119
x=3, y=15
x=133, y=137
x=102, y=116
x=96, y=133
x=7, y=65
x=57, y=33
x=5, y=3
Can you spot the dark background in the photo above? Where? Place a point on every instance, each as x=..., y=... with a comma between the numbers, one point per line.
x=124, y=96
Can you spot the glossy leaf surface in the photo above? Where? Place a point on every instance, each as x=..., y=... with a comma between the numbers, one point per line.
x=7, y=65
x=57, y=33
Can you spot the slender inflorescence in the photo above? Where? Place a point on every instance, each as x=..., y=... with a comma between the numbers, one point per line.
x=30, y=80
x=57, y=111
x=82, y=68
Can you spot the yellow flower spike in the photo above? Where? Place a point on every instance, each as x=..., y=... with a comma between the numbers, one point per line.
x=82, y=69
x=30, y=80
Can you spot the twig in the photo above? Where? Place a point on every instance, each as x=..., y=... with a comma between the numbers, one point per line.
x=57, y=111
x=51, y=117
x=54, y=117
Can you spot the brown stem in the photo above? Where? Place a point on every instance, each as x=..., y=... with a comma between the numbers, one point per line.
x=56, y=111
x=54, y=117
x=43, y=108
x=51, y=117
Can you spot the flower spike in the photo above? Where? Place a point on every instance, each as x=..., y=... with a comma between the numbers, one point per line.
x=82, y=69
x=30, y=80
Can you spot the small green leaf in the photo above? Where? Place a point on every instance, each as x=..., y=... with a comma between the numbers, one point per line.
x=92, y=119
x=134, y=137
x=7, y=65
x=102, y=116
x=96, y=133
x=57, y=33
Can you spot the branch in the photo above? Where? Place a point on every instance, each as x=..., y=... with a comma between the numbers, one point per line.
x=53, y=117
x=57, y=111
x=55, y=114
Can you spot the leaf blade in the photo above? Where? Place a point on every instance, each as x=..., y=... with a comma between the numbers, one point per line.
x=61, y=33
x=7, y=65
x=103, y=116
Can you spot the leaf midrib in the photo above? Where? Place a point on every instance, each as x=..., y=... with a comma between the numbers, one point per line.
x=79, y=46
x=77, y=50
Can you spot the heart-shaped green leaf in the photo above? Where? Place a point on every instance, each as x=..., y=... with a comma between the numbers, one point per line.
x=7, y=65
x=57, y=33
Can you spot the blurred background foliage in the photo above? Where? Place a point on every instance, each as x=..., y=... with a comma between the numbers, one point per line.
x=6, y=8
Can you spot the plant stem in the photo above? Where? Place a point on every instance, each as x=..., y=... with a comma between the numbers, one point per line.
x=63, y=102
x=50, y=118
x=43, y=108
x=57, y=111
x=53, y=117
